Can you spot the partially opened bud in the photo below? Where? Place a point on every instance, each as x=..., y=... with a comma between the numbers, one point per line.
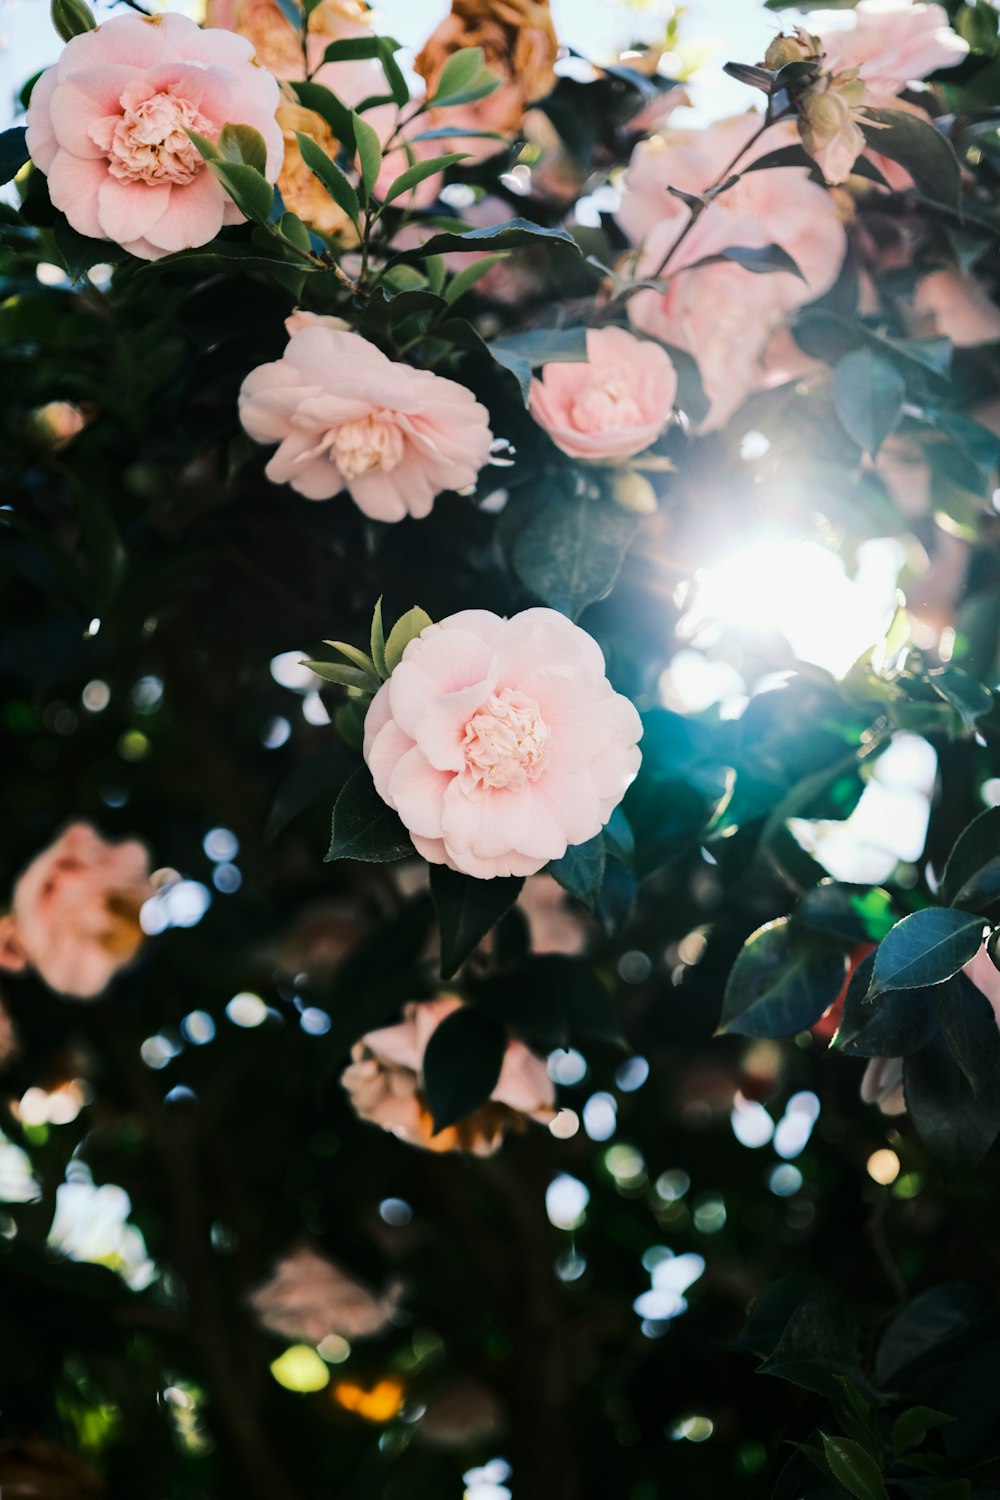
x=800, y=47
x=829, y=128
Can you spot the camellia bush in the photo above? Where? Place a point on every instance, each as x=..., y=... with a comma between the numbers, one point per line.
x=441, y=1053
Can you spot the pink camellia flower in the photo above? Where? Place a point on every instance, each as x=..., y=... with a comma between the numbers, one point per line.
x=385, y=1083
x=882, y=1083
x=557, y=925
x=891, y=43
x=612, y=405
x=956, y=307
x=75, y=912
x=501, y=742
x=308, y=1297
x=108, y=126
x=348, y=417
x=721, y=313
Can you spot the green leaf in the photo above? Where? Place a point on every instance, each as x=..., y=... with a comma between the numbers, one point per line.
x=969, y=698
x=293, y=229
x=543, y=346
x=956, y=1127
x=513, y=236
x=406, y=629
x=378, y=640
x=314, y=779
x=364, y=827
x=467, y=910
x=459, y=73
x=252, y=194
x=78, y=252
x=571, y=551
x=782, y=981
x=343, y=676
x=325, y=103
x=913, y=142
x=330, y=175
x=72, y=18
x=13, y=153
x=581, y=870
x=894, y=1024
x=856, y=913
x=868, y=394
x=241, y=143
x=854, y=1469
x=969, y=1026
x=420, y=172
x=972, y=875
x=818, y=1347
x=394, y=77
x=760, y=259
x=369, y=153
x=467, y=277
x=911, y=1428
x=551, y=998
x=462, y=1065
x=353, y=49
x=925, y=948
x=354, y=656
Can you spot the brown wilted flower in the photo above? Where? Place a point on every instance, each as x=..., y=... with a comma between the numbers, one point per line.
x=301, y=190
x=519, y=44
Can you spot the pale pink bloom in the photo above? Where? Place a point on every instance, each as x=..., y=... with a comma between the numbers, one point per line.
x=957, y=308
x=891, y=43
x=301, y=318
x=882, y=1083
x=385, y=1084
x=720, y=313
x=107, y=125
x=348, y=417
x=613, y=404
x=501, y=742
x=308, y=1297
x=556, y=924
x=75, y=912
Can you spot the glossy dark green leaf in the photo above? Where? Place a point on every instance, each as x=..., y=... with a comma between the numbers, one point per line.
x=78, y=252
x=969, y=698
x=323, y=102
x=956, y=1127
x=552, y=998
x=926, y=948
x=514, y=235
x=854, y=1469
x=856, y=913
x=364, y=827
x=919, y=1335
x=914, y=143
x=462, y=1064
x=581, y=870
x=972, y=874
x=241, y=143
x=868, y=393
x=894, y=1024
x=910, y=1429
x=817, y=1347
x=543, y=346
x=782, y=981
x=13, y=153
x=330, y=176
x=761, y=259
x=969, y=1027
x=770, y=1312
x=252, y=193
x=467, y=910
x=571, y=551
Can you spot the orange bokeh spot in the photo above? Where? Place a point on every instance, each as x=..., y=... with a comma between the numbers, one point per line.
x=380, y=1403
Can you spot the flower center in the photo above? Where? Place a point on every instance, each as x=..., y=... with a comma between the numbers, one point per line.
x=367, y=445
x=147, y=141
x=504, y=742
x=605, y=404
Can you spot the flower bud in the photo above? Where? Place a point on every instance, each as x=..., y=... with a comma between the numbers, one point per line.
x=71, y=17
x=791, y=49
x=829, y=128
x=634, y=492
x=56, y=424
